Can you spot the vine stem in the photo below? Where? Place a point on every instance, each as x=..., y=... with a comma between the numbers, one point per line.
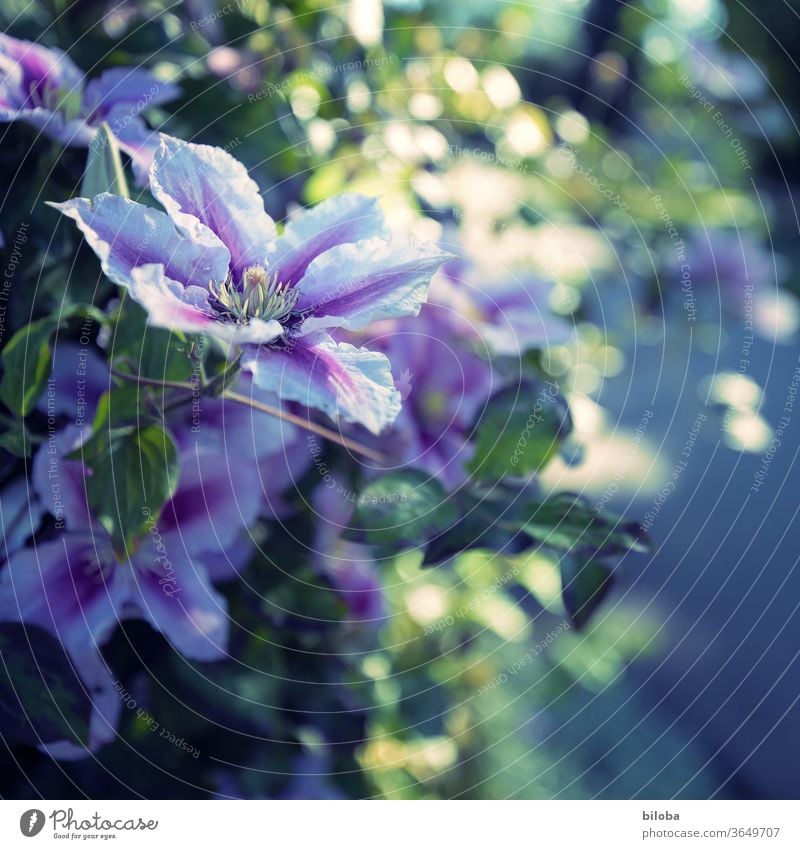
x=150, y=381
x=324, y=432
x=277, y=412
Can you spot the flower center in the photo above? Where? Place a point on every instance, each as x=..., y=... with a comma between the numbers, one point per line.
x=258, y=295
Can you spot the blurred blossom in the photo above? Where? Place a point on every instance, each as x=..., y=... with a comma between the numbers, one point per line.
x=733, y=264
x=445, y=385
x=725, y=74
x=507, y=313
x=44, y=88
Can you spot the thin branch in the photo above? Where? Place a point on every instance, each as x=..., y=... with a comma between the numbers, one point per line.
x=151, y=381
x=306, y=425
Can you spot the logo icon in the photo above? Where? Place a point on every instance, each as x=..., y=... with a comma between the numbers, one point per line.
x=31, y=822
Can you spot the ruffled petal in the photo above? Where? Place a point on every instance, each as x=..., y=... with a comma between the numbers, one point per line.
x=125, y=234
x=106, y=707
x=196, y=183
x=354, y=284
x=311, y=232
x=339, y=379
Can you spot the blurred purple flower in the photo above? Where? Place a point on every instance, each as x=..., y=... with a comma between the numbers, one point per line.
x=506, y=314
x=214, y=263
x=446, y=385
x=732, y=265
x=43, y=87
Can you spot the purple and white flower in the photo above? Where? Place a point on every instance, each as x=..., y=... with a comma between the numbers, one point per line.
x=78, y=588
x=43, y=87
x=507, y=314
x=445, y=386
x=214, y=262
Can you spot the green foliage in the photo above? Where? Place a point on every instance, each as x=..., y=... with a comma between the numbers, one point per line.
x=401, y=509
x=585, y=583
x=104, y=171
x=567, y=523
x=134, y=470
x=26, y=365
x=41, y=698
x=520, y=431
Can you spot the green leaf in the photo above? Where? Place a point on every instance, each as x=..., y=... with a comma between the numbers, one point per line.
x=151, y=352
x=566, y=522
x=401, y=509
x=27, y=358
x=42, y=699
x=520, y=431
x=16, y=439
x=26, y=365
x=134, y=472
x=584, y=585
x=104, y=171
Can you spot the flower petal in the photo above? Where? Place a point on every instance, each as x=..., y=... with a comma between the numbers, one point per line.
x=197, y=183
x=125, y=234
x=138, y=141
x=352, y=285
x=311, y=232
x=337, y=378
x=106, y=707
x=37, y=66
x=136, y=88
x=176, y=597
x=59, y=586
x=215, y=502
x=61, y=483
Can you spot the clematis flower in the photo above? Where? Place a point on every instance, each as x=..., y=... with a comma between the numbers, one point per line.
x=76, y=587
x=507, y=314
x=213, y=262
x=445, y=385
x=43, y=87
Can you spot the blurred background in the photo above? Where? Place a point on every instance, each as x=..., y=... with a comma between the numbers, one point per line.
x=640, y=158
